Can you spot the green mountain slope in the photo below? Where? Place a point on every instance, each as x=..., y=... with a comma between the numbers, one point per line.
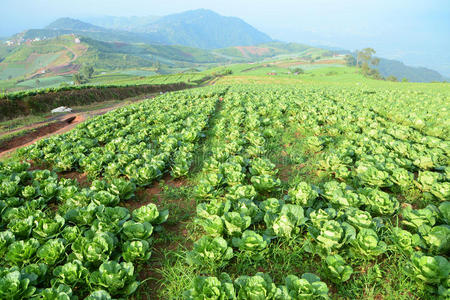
x=205, y=29
x=226, y=39
x=268, y=50
x=72, y=24
x=198, y=28
x=388, y=67
x=64, y=55
x=134, y=24
x=106, y=35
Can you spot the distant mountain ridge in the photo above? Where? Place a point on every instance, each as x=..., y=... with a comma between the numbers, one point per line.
x=200, y=28
x=217, y=38
x=133, y=24
x=389, y=67
x=72, y=24
x=196, y=28
x=206, y=29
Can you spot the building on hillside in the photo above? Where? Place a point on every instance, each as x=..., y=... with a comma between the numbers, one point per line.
x=77, y=41
x=9, y=43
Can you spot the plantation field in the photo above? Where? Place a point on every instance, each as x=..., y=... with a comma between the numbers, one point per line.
x=45, y=82
x=314, y=186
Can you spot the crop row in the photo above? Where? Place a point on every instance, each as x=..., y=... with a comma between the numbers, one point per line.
x=60, y=240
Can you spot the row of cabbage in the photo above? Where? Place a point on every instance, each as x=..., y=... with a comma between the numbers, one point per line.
x=371, y=162
x=237, y=209
x=351, y=216
x=59, y=240
x=137, y=142
x=62, y=241
x=369, y=150
x=423, y=110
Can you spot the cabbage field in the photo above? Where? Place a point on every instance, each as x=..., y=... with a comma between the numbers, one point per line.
x=298, y=192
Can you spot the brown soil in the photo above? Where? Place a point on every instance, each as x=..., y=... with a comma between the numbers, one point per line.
x=39, y=133
x=81, y=178
x=63, y=124
x=284, y=172
x=68, y=67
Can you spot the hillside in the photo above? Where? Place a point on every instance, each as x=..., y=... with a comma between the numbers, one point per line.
x=148, y=40
x=398, y=69
x=134, y=24
x=51, y=62
x=72, y=24
x=269, y=50
x=205, y=29
x=65, y=55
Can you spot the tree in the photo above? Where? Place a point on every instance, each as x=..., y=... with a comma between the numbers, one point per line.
x=392, y=78
x=350, y=60
x=87, y=71
x=298, y=71
x=365, y=55
x=375, y=61
x=38, y=82
x=78, y=78
x=364, y=60
x=405, y=79
x=157, y=66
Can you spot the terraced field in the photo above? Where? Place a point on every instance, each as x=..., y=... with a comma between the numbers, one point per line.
x=237, y=192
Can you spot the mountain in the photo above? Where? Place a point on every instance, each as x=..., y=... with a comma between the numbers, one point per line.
x=388, y=67
x=197, y=28
x=134, y=24
x=206, y=29
x=72, y=24
x=267, y=50
x=66, y=54
x=175, y=42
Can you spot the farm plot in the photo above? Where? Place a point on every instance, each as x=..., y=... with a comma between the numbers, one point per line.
x=300, y=192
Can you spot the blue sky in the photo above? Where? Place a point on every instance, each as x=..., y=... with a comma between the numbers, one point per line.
x=416, y=32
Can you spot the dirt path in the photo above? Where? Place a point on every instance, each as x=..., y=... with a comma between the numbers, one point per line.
x=65, y=122
x=39, y=133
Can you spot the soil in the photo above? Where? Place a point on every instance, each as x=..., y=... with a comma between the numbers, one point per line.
x=39, y=133
x=60, y=124
x=284, y=172
x=81, y=178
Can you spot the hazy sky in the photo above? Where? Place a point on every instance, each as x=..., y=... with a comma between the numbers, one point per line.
x=416, y=32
